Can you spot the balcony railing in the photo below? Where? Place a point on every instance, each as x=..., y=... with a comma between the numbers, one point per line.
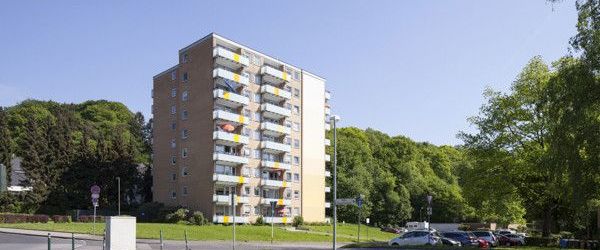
x=327, y=204
x=274, y=93
x=274, y=111
x=270, y=128
x=230, y=99
x=226, y=199
x=220, y=73
x=327, y=173
x=226, y=219
x=327, y=111
x=275, y=165
x=278, y=220
x=229, y=59
x=230, y=179
x=229, y=138
x=279, y=201
x=231, y=117
x=327, y=95
x=327, y=158
x=327, y=189
x=275, y=147
x=327, y=127
x=327, y=142
x=228, y=159
x=273, y=75
x=274, y=183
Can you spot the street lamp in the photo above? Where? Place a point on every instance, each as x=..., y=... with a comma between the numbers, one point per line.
x=334, y=119
x=119, y=194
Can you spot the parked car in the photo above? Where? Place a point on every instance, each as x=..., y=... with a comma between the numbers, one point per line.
x=412, y=238
x=511, y=240
x=450, y=242
x=487, y=236
x=505, y=231
x=465, y=238
x=393, y=230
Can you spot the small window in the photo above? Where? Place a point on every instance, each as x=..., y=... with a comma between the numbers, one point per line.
x=287, y=124
x=173, y=143
x=287, y=141
x=256, y=135
x=186, y=58
x=296, y=126
x=173, y=126
x=296, y=92
x=257, y=154
x=288, y=89
x=257, y=79
x=288, y=106
x=288, y=176
x=184, y=115
x=184, y=134
x=184, y=152
x=296, y=160
x=173, y=160
x=246, y=191
x=185, y=77
x=256, y=210
x=184, y=95
x=296, y=109
x=257, y=116
x=173, y=195
x=173, y=92
x=296, y=211
x=184, y=191
x=246, y=131
x=256, y=97
x=296, y=143
x=257, y=173
x=173, y=75
x=296, y=194
x=296, y=177
x=173, y=110
x=287, y=159
x=296, y=75
x=173, y=176
x=184, y=172
x=256, y=191
x=246, y=93
x=248, y=113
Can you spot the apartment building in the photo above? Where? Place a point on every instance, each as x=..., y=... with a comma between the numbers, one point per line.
x=229, y=121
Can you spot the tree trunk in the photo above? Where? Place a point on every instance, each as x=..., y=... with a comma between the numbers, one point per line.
x=547, y=224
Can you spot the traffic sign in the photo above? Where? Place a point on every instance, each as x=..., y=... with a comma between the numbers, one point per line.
x=346, y=201
x=95, y=196
x=95, y=189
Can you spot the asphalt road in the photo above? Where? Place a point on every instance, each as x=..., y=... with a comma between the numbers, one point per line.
x=26, y=242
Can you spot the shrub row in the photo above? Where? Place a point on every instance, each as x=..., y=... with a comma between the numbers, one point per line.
x=24, y=218
x=61, y=218
x=90, y=218
x=185, y=216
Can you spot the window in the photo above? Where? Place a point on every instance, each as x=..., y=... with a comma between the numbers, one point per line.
x=296, y=75
x=296, y=211
x=296, y=109
x=287, y=141
x=173, y=143
x=256, y=191
x=184, y=115
x=184, y=171
x=173, y=176
x=296, y=126
x=296, y=177
x=185, y=58
x=184, y=95
x=246, y=93
x=257, y=116
x=296, y=194
x=257, y=97
x=246, y=131
x=256, y=210
x=184, y=191
x=288, y=176
x=246, y=171
x=296, y=160
x=173, y=195
x=248, y=113
x=288, y=89
x=256, y=135
x=296, y=92
x=257, y=173
x=173, y=160
x=287, y=124
x=246, y=191
x=173, y=126
x=173, y=110
x=173, y=75
x=287, y=159
x=257, y=154
x=184, y=134
x=296, y=143
x=257, y=79
x=185, y=77
x=246, y=151
x=173, y=92
x=287, y=194
x=184, y=152
x=288, y=106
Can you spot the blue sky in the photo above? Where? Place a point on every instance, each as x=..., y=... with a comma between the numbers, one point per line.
x=415, y=68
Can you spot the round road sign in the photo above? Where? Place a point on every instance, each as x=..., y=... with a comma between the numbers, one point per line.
x=95, y=189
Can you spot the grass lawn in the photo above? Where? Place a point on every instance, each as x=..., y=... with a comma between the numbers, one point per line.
x=215, y=232
x=351, y=231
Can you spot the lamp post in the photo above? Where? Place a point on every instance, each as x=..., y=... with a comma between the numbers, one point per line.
x=119, y=194
x=334, y=119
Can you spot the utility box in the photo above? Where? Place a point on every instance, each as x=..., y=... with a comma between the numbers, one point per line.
x=120, y=233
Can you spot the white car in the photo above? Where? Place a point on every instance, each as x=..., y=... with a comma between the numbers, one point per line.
x=417, y=237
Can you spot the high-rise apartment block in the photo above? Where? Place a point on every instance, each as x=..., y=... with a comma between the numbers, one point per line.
x=231, y=121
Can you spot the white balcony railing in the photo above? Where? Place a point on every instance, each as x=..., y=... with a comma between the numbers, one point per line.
x=226, y=74
x=327, y=189
x=327, y=173
x=275, y=110
x=230, y=138
x=231, y=117
x=273, y=128
x=327, y=142
x=327, y=158
x=230, y=99
x=226, y=219
x=230, y=58
x=327, y=111
x=230, y=159
x=327, y=95
x=327, y=204
x=274, y=183
x=274, y=75
x=275, y=146
x=226, y=199
x=327, y=127
x=275, y=165
x=230, y=179
x=275, y=93
x=278, y=220
x=280, y=202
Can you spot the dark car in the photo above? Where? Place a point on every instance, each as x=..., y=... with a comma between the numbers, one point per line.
x=511, y=240
x=465, y=238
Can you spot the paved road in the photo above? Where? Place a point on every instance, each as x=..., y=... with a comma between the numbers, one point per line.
x=26, y=242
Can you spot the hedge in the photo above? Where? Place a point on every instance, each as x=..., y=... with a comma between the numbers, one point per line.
x=90, y=218
x=61, y=218
x=24, y=218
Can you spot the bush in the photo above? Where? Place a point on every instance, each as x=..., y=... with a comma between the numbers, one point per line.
x=259, y=221
x=90, y=218
x=24, y=218
x=298, y=221
x=197, y=218
x=178, y=215
x=61, y=218
x=541, y=242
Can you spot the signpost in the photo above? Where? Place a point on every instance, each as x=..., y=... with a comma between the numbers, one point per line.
x=233, y=204
x=273, y=203
x=95, y=190
x=359, y=202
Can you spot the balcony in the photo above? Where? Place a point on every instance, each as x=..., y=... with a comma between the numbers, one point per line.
x=327, y=190
x=272, y=75
x=280, y=202
x=274, y=183
x=226, y=199
x=275, y=165
x=327, y=95
x=225, y=77
x=275, y=147
x=229, y=59
x=273, y=93
x=226, y=219
x=230, y=99
x=327, y=142
x=327, y=204
x=229, y=179
x=230, y=117
x=278, y=220
x=327, y=127
x=274, y=112
x=229, y=139
x=327, y=173
x=229, y=160
x=327, y=158
x=273, y=129
x=327, y=111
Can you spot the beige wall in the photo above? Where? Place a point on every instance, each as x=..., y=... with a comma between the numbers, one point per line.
x=313, y=148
